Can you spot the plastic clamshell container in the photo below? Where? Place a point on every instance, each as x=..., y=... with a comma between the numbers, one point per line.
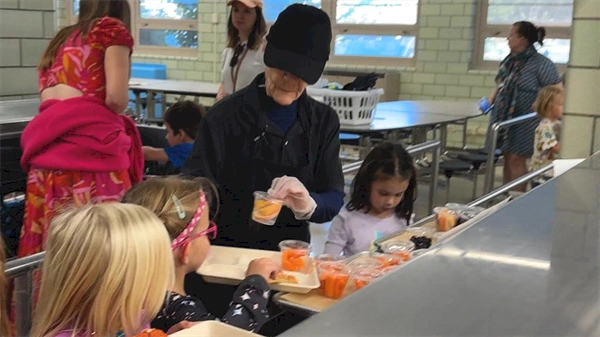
x=227, y=265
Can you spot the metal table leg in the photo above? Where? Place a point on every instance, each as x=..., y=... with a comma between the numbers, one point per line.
x=365, y=146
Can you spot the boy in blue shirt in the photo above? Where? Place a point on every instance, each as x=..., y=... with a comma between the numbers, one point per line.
x=182, y=121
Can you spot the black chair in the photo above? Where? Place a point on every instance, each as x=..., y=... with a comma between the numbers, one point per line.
x=13, y=180
x=476, y=160
x=155, y=136
x=449, y=168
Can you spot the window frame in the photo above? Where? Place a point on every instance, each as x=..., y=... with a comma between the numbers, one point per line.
x=138, y=23
x=484, y=30
x=330, y=6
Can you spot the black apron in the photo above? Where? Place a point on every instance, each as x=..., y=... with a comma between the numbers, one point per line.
x=268, y=156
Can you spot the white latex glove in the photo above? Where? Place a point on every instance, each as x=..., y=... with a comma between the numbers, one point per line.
x=295, y=196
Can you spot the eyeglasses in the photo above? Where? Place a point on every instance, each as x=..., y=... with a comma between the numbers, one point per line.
x=236, y=55
x=210, y=232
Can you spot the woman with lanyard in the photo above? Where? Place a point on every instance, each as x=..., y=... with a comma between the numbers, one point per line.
x=242, y=60
x=521, y=75
x=270, y=136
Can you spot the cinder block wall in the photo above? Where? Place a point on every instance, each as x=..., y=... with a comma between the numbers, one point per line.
x=26, y=26
x=442, y=72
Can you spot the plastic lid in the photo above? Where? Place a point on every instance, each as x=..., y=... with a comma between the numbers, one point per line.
x=421, y=231
x=367, y=273
x=330, y=258
x=365, y=262
x=397, y=246
x=333, y=267
x=265, y=196
x=294, y=244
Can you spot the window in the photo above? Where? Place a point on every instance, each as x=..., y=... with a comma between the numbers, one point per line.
x=381, y=32
x=168, y=27
x=497, y=16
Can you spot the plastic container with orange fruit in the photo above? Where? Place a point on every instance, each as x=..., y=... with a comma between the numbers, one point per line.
x=334, y=277
x=398, y=248
x=446, y=219
x=266, y=209
x=295, y=255
x=363, y=277
x=388, y=260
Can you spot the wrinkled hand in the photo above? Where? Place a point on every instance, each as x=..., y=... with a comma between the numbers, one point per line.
x=264, y=267
x=181, y=326
x=295, y=196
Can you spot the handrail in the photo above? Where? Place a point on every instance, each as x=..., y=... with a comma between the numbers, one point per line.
x=494, y=129
x=21, y=270
x=434, y=146
x=505, y=188
x=481, y=201
x=21, y=266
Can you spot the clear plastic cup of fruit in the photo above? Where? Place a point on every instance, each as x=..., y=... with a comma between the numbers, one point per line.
x=266, y=209
x=399, y=248
x=363, y=277
x=445, y=218
x=334, y=277
x=295, y=255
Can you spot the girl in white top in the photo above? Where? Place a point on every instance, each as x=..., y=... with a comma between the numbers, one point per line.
x=242, y=60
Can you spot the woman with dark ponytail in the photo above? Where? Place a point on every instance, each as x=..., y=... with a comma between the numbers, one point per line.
x=521, y=75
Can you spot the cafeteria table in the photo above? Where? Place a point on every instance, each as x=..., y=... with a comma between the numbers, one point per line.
x=183, y=88
x=418, y=116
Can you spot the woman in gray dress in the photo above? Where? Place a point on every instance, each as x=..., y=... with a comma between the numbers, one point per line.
x=521, y=75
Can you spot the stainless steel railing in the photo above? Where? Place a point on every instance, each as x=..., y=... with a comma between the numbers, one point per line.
x=478, y=202
x=434, y=147
x=21, y=271
x=494, y=131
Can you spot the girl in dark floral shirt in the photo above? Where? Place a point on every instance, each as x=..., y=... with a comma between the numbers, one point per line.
x=182, y=206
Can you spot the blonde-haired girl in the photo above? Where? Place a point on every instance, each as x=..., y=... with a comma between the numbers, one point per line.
x=182, y=205
x=549, y=106
x=106, y=269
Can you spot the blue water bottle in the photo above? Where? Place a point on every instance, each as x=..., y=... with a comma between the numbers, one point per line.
x=484, y=105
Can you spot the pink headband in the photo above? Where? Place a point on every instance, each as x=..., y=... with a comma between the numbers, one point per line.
x=193, y=222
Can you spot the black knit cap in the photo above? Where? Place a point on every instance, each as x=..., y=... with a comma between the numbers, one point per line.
x=299, y=42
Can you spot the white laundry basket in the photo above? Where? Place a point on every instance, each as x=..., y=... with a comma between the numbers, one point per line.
x=353, y=107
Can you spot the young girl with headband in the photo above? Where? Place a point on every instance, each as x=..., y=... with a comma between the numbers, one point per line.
x=183, y=207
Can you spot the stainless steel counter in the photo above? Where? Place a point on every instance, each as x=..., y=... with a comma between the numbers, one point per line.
x=530, y=269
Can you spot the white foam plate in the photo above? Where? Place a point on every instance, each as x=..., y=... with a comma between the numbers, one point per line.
x=227, y=265
x=213, y=329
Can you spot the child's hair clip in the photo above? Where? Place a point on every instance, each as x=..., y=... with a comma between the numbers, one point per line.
x=178, y=207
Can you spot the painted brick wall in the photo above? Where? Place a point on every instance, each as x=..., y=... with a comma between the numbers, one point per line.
x=442, y=72
x=26, y=26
